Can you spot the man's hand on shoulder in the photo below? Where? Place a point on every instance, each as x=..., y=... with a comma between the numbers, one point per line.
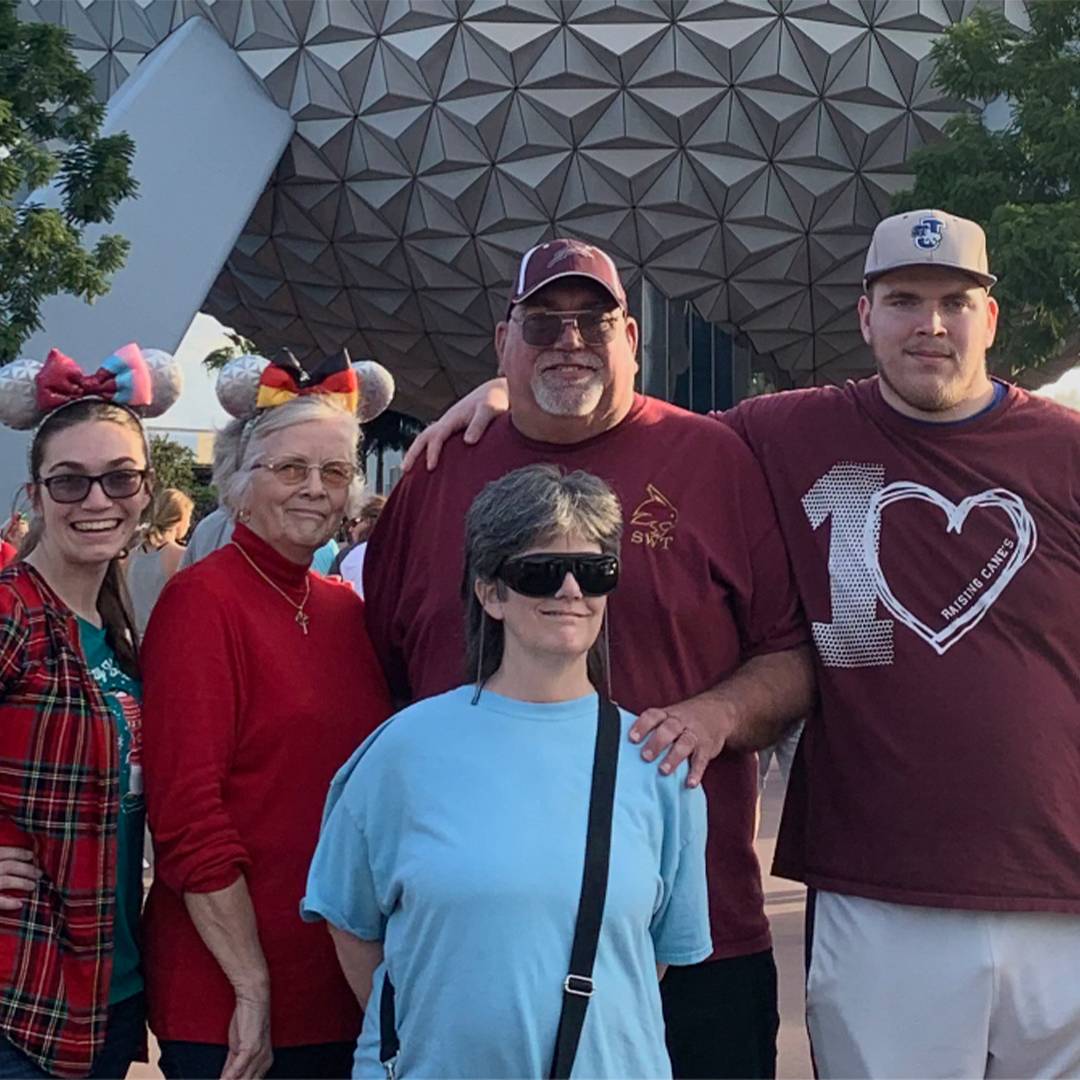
x=748, y=710
x=473, y=414
x=696, y=729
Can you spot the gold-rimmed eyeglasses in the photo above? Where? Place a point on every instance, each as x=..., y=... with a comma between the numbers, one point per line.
x=294, y=471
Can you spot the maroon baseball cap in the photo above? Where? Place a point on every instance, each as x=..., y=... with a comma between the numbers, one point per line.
x=557, y=259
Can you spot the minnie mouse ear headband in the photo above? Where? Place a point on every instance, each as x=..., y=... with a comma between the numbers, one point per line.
x=144, y=382
x=249, y=385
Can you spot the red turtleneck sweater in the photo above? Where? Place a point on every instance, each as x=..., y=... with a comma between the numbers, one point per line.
x=246, y=719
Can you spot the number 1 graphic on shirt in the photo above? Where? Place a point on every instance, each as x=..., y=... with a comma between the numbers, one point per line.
x=855, y=637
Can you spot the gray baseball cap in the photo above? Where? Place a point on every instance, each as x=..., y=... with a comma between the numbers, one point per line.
x=928, y=238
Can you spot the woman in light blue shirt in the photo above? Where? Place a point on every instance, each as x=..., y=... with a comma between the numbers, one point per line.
x=453, y=842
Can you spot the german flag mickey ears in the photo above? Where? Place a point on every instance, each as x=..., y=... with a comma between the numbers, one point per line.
x=285, y=379
x=250, y=384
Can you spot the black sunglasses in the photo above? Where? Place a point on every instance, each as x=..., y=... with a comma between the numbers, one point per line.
x=74, y=487
x=543, y=575
x=543, y=329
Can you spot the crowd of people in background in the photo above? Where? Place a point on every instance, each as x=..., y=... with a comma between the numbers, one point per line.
x=12, y=536
x=463, y=782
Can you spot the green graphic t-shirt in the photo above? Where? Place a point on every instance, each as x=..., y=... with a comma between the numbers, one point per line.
x=123, y=695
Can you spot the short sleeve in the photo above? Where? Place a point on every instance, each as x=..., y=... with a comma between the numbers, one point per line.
x=680, y=925
x=386, y=562
x=771, y=615
x=735, y=418
x=341, y=884
x=767, y=604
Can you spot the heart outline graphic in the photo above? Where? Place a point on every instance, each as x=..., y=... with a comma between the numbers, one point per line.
x=955, y=515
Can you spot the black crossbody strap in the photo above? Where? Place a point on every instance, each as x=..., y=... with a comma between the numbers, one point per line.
x=388, y=1037
x=578, y=986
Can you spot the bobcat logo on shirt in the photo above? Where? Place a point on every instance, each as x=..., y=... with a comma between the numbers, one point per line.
x=655, y=518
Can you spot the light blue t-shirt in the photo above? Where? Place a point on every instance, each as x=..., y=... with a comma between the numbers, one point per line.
x=456, y=835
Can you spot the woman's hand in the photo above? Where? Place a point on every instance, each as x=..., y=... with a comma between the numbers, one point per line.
x=18, y=873
x=250, y=1051
x=225, y=920
x=473, y=413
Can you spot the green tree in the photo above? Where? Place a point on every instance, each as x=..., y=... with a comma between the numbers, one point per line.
x=173, y=464
x=206, y=500
x=174, y=467
x=50, y=123
x=240, y=346
x=1021, y=181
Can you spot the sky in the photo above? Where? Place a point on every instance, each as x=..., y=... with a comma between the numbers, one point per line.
x=198, y=408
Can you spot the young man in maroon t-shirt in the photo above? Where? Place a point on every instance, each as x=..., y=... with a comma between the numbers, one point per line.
x=705, y=616
x=931, y=516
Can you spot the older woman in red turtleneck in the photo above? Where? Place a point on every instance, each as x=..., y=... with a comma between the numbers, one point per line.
x=259, y=682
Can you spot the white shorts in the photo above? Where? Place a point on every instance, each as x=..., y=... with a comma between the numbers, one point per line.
x=895, y=990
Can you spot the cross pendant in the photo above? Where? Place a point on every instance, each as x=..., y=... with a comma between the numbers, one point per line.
x=302, y=621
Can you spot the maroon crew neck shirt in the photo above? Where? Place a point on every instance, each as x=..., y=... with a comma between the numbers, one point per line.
x=939, y=565
x=705, y=586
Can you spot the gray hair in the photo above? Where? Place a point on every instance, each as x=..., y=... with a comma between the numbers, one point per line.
x=242, y=443
x=527, y=507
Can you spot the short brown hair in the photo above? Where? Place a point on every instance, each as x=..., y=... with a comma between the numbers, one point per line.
x=510, y=515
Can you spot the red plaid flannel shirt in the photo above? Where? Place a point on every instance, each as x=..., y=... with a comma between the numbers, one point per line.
x=59, y=796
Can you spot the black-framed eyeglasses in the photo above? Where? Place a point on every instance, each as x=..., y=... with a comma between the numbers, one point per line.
x=294, y=471
x=543, y=575
x=542, y=329
x=74, y=487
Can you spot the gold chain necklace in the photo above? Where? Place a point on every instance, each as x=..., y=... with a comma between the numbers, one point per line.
x=302, y=618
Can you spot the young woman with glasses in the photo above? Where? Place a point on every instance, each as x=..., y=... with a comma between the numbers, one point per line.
x=451, y=859
x=70, y=779
x=260, y=681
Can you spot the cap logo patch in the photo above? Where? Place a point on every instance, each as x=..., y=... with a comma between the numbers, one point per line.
x=571, y=248
x=926, y=233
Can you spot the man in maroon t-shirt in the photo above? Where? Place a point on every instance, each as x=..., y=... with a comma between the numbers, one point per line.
x=931, y=518
x=931, y=515
x=705, y=616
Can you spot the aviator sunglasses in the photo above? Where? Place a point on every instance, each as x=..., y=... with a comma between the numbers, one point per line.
x=543, y=329
x=74, y=487
x=542, y=575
